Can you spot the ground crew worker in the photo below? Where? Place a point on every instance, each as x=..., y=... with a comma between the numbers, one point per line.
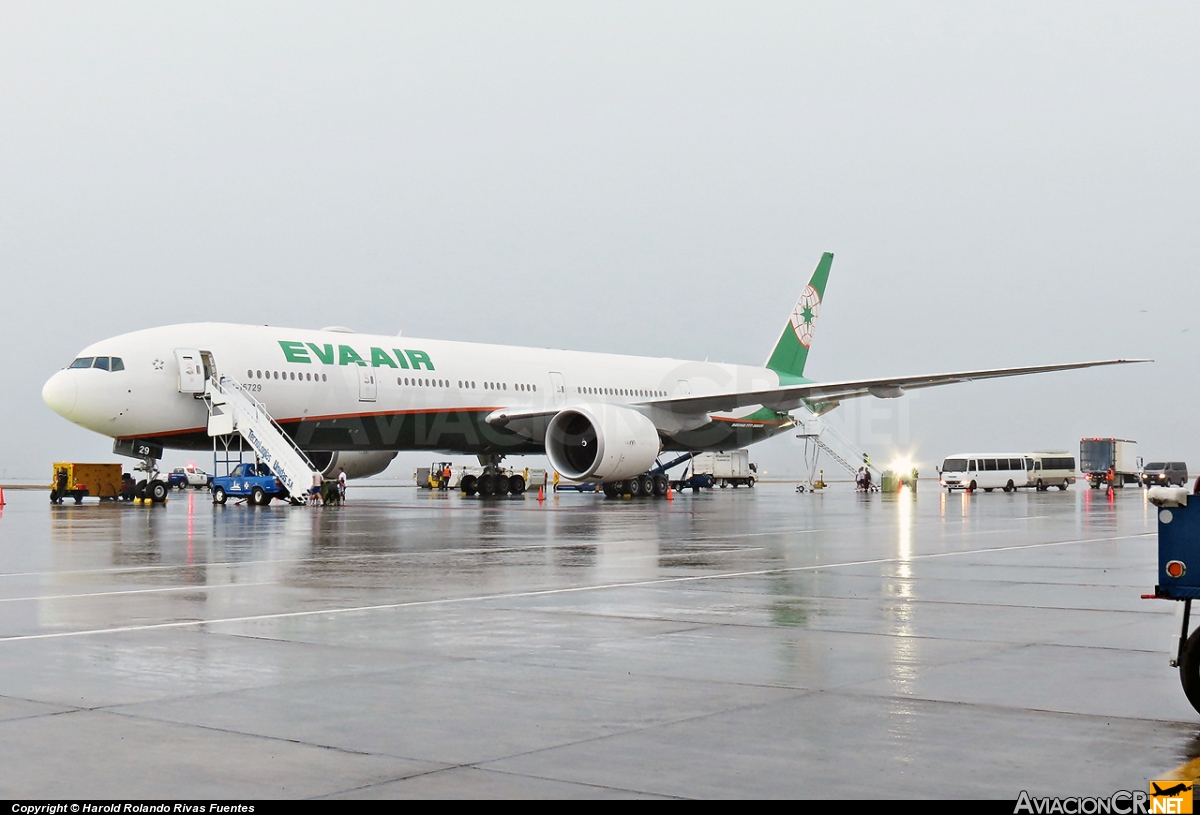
x=556, y=480
x=61, y=484
x=445, y=485
x=341, y=482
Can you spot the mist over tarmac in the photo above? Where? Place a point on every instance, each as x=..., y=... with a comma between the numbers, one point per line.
x=1001, y=184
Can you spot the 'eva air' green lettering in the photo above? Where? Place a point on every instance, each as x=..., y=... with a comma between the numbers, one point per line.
x=348, y=356
x=345, y=355
x=294, y=351
x=419, y=358
x=380, y=357
x=324, y=353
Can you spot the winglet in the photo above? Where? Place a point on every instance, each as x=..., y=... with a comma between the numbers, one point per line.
x=791, y=352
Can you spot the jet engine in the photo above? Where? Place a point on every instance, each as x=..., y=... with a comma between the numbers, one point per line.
x=358, y=465
x=601, y=442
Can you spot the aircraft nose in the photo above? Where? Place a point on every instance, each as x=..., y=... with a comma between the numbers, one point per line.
x=59, y=393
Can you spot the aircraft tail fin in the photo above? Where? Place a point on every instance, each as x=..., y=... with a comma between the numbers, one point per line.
x=791, y=352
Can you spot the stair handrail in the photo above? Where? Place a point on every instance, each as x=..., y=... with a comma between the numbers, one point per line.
x=259, y=407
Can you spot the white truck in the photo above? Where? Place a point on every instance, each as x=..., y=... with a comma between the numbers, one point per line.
x=731, y=469
x=1109, y=462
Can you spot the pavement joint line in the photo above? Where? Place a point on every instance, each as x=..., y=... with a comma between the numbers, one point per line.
x=346, y=558
x=706, y=540
x=545, y=592
x=136, y=591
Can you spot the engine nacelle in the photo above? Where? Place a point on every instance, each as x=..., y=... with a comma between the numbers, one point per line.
x=601, y=443
x=357, y=465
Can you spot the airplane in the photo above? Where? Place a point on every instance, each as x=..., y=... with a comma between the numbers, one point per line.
x=1169, y=791
x=352, y=401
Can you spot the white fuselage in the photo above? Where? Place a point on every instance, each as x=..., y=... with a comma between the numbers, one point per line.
x=336, y=390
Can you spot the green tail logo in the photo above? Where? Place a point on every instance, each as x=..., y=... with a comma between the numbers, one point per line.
x=791, y=352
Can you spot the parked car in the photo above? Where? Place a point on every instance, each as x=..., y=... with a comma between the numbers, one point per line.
x=251, y=481
x=183, y=477
x=1164, y=474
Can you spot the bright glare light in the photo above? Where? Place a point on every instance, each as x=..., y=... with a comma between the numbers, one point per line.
x=901, y=465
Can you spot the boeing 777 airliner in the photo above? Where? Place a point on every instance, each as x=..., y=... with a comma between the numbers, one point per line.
x=353, y=400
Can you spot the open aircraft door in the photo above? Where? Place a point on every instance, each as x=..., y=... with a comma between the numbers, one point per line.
x=191, y=370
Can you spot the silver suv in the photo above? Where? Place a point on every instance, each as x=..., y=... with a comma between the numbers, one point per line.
x=1164, y=474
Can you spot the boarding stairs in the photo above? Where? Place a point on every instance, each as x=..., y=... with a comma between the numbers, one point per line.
x=232, y=410
x=833, y=444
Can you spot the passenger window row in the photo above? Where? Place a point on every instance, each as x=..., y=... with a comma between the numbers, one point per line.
x=423, y=383
x=99, y=363
x=642, y=392
x=995, y=464
x=286, y=375
x=1067, y=463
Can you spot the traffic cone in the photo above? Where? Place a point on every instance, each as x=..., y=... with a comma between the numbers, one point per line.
x=541, y=493
x=670, y=493
x=1, y=496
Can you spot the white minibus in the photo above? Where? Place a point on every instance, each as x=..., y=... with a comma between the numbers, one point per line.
x=1052, y=469
x=986, y=471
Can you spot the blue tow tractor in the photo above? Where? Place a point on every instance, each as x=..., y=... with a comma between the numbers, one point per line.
x=252, y=481
x=1179, y=575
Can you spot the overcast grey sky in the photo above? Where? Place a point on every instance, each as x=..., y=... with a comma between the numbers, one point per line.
x=1001, y=184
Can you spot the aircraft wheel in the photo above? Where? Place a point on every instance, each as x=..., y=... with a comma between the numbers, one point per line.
x=1189, y=669
x=610, y=489
x=257, y=496
x=469, y=485
x=635, y=487
x=647, y=485
x=219, y=496
x=487, y=486
x=660, y=485
x=156, y=491
x=139, y=490
x=516, y=484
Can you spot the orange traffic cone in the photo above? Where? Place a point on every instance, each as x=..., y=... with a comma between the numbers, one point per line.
x=670, y=493
x=1, y=496
x=541, y=493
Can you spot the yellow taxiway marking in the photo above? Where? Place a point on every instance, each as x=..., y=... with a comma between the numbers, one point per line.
x=1184, y=772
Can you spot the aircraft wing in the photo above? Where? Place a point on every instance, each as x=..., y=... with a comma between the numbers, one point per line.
x=789, y=397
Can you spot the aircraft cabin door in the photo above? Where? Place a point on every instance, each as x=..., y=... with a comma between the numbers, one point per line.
x=368, y=387
x=191, y=370
x=683, y=388
x=558, y=387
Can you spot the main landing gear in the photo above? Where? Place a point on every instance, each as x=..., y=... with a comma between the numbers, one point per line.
x=641, y=486
x=494, y=482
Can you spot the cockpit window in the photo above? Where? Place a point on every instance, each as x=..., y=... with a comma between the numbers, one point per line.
x=101, y=363
x=117, y=364
x=83, y=362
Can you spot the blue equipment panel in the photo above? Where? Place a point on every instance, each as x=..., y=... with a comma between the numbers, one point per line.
x=1179, y=540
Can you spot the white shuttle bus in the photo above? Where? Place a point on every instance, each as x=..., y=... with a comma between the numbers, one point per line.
x=986, y=471
x=1052, y=469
